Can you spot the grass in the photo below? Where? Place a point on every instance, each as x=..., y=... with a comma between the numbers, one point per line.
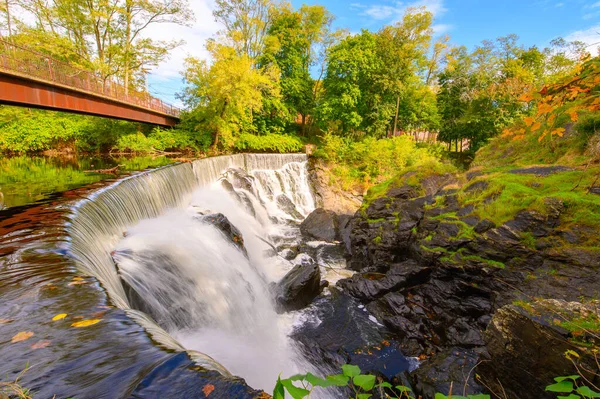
x=14, y=390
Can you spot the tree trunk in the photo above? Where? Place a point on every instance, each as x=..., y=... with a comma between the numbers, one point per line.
x=396, y=117
x=303, y=129
x=8, y=21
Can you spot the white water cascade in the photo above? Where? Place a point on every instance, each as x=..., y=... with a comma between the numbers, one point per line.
x=151, y=242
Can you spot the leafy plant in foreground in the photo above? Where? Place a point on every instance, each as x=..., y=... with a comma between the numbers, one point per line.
x=362, y=386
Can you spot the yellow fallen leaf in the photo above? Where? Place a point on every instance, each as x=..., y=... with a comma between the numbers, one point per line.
x=86, y=323
x=77, y=279
x=59, y=317
x=77, y=283
x=40, y=344
x=22, y=336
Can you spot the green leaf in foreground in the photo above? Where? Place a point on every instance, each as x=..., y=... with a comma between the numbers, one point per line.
x=279, y=391
x=366, y=382
x=562, y=387
x=350, y=370
x=297, y=393
x=587, y=392
x=339, y=380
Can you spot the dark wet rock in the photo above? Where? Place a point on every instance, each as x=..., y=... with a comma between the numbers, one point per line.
x=345, y=231
x=452, y=367
x=221, y=223
x=287, y=206
x=527, y=348
x=371, y=286
x=321, y=225
x=470, y=220
x=473, y=174
x=541, y=170
x=477, y=186
x=467, y=210
x=342, y=332
x=299, y=286
x=484, y=226
x=595, y=190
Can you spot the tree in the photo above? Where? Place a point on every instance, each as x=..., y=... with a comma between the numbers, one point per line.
x=291, y=45
x=246, y=22
x=224, y=96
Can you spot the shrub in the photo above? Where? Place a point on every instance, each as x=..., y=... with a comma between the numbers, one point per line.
x=278, y=143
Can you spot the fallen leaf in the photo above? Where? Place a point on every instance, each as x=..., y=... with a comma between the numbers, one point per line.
x=98, y=314
x=208, y=389
x=77, y=283
x=86, y=323
x=40, y=344
x=77, y=279
x=5, y=321
x=59, y=317
x=22, y=336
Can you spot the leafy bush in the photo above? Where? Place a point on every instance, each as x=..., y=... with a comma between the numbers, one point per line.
x=279, y=143
x=371, y=161
x=361, y=385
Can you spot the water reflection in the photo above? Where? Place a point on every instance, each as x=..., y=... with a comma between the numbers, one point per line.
x=25, y=179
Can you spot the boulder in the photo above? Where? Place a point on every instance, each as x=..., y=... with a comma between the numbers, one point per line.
x=229, y=231
x=527, y=348
x=321, y=225
x=298, y=287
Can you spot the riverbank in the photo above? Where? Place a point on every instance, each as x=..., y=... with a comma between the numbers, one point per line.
x=487, y=276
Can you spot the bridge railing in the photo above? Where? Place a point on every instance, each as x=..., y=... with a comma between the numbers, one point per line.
x=28, y=62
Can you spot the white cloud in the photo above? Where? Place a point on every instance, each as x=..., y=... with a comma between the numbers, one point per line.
x=590, y=36
x=395, y=11
x=440, y=29
x=195, y=38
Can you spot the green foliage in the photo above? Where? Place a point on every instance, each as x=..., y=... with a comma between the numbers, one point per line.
x=572, y=388
x=25, y=179
x=29, y=130
x=280, y=143
x=362, y=386
x=369, y=161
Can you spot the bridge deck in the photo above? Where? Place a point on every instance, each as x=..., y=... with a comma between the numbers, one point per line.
x=31, y=79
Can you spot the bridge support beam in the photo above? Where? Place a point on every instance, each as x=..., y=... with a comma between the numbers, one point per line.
x=33, y=93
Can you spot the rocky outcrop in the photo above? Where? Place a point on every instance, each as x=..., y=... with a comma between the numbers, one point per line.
x=327, y=195
x=299, y=286
x=434, y=273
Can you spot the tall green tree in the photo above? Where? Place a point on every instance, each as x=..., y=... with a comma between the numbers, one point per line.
x=225, y=96
x=292, y=46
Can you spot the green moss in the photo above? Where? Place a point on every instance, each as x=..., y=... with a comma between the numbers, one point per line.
x=436, y=250
x=528, y=240
x=377, y=240
x=509, y=193
x=524, y=305
x=373, y=221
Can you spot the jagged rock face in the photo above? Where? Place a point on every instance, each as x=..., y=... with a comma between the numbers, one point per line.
x=299, y=286
x=527, y=349
x=437, y=287
x=327, y=195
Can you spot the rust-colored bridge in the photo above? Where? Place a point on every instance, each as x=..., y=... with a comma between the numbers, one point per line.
x=31, y=79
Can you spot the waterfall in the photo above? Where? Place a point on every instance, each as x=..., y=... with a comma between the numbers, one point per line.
x=152, y=242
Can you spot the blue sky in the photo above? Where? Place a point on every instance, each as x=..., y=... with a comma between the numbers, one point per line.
x=468, y=22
